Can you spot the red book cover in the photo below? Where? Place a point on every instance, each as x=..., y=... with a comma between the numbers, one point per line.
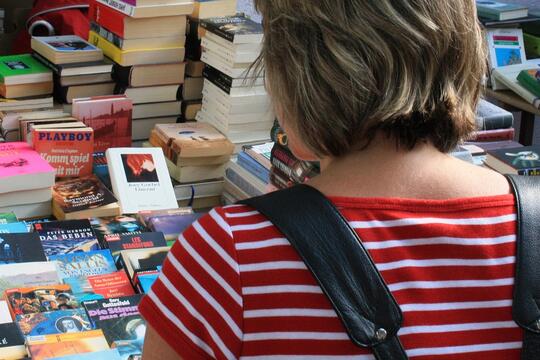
x=109, y=116
x=68, y=151
x=107, y=17
x=116, y=284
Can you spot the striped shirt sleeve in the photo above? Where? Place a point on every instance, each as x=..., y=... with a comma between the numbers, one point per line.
x=195, y=305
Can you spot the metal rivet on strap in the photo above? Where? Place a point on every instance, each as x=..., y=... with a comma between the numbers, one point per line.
x=380, y=334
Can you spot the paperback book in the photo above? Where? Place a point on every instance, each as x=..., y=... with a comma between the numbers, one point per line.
x=42, y=298
x=84, y=264
x=14, y=227
x=12, y=342
x=67, y=236
x=66, y=49
x=521, y=161
x=141, y=260
x=21, y=248
x=54, y=322
x=234, y=29
x=22, y=69
x=172, y=225
x=8, y=218
x=116, y=225
x=117, y=243
x=43, y=347
x=20, y=275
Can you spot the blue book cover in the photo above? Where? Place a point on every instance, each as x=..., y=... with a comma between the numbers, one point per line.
x=54, y=322
x=83, y=264
x=254, y=168
x=111, y=354
x=146, y=281
x=65, y=237
x=11, y=228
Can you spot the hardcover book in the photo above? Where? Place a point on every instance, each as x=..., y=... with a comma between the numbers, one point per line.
x=22, y=168
x=84, y=264
x=40, y=299
x=140, y=179
x=51, y=346
x=112, y=226
x=11, y=342
x=530, y=80
x=21, y=248
x=83, y=198
x=117, y=243
x=521, y=161
x=67, y=236
x=500, y=11
x=68, y=151
x=109, y=116
x=23, y=69
x=54, y=322
x=27, y=275
x=490, y=116
x=234, y=29
x=66, y=49
x=123, y=326
x=14, y=227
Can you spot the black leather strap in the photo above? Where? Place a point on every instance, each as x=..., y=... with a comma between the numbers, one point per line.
x=526, y=302
x=341, y=265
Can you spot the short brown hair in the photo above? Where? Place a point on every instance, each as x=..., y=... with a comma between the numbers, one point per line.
x=343, y=70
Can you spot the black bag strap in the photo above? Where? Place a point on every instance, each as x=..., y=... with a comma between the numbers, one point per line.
x=526, y=302
x=333, y=252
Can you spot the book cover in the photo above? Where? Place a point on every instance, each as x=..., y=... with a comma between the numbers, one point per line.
x=102, y=286
x=111, y=354
x=68, y=151
x=68, y=236
x=8, y=218
x=162, y=9
x=140, y=179
x=522, y=161
x=253, y=166
x=43, y=347
x=506, y=78
x=81, y=194
x=145, y=280
x=134, y=261
x=107, y=226
x=11, y=342
x=235, y=29
x=145, y=216
x=18, y=275
x=109, y=116
x=172, y=225
x=54, y=322
x=530, y=80
x=489, y=116
x=40, y=299
x=66, y=43
x=21, y=248
x=22, y=168
x=84, y=264
x=117, y=243
x=14, y=227
x=22, y=69
x=119, y=318
x=499, y=10
x=506, y=47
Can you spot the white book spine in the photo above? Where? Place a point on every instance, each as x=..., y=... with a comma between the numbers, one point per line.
x=120, y=6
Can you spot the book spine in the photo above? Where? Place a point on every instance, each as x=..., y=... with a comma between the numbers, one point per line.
x=253, y=167
x=297, y=170
x=493, y=135
x=495, y=122
x=108, y=35
x=219, y=79
x=124, y=8
x=279, y=179
x=109, y=18
x=55, y=68
x=214, y=30
x=109, y=50
x=239, y=181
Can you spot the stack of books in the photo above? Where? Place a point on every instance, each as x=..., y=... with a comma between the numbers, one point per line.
x=25, y=181
x=23, y=76
x=196, y=155
x=234, y=100
x=146, y=42
x=192, y=89
x=12, y=112
x=79, y=68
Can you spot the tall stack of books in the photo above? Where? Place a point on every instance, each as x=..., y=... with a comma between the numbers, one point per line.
x=192, y=89
x=79, y=68
x=145, y=39
x=237, y=105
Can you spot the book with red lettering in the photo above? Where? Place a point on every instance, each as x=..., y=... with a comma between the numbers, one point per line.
x=69, y=151
x=109, y=116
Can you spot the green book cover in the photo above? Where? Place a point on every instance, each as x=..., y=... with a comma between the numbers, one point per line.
x=532, y=45
x=18, y=65
x=530, y=80
x=7, y=218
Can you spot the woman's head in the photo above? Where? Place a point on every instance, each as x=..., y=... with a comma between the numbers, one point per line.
x=341, y=71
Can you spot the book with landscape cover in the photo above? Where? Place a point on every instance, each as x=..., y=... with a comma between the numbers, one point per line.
x=83, y=198
x=40, y=299
x=54, y=322
x=140, y=179
x=19, y=275
x=68, y=151
x=22, y=168
x=521, y=161
x=109, y=116
x=67, y=236
x=43, y=347
x=121, y=322
x=234, y=29
x=23, y=69
x=21, y=248
x=117, y=243
x=12, y=342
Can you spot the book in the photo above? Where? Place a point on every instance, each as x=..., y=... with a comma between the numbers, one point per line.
x=22, y=168
x=232, y=55
x=207, y=9
x=198, y=189
x=12, y=342
x=195, y=140
x=189, y=109
x=111, y=354
x=162, y=109
x=500, y=11
x=506, y=77
x=117, y=243
x=121, y=322
x=171, y=225
x=66, y=49
x=103, y=66
x=260, y=153
x=67, y=236
x=54, y=322
x=143, y=127
x=27, y=275
x=110, y=285
x=150, y=94
x=21, y=248
x=234, y=29
x=140, y=260
x=15, y=227
x=530, y=80
x=227, y=83
x=109, y=116
x=140, y=179
x=23, y=69
x=68, y=151
x=111, y=226
x=532, y=45
x=25, y=90
x=83, y=198
x=254, y=167
x=296, y=170
x=73, y=83
x=149, y=11
x=84, y=264
x=493, y=135
x=8, y=218
x=43, y=347
x=146, y=280
x=41, y=298
x=66, y=94
x=244, y=180
x=137, y=57
x=27, y=211
x=521, y=161
x=127, y=27
x=26, y=103
x=489, y=116
x=149, y=75
x=506, y=47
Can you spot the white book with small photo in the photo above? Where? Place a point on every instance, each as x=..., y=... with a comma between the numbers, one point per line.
x=506, y=47
x=140, y=179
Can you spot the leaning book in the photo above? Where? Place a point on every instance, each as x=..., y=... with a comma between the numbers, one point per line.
x=521, y=161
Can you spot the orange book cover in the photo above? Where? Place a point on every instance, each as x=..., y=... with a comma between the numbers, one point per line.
x=68, y=151
x=111, y=285
x=52, y=346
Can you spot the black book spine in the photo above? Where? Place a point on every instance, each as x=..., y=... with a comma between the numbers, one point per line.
x=55, y=68
x=122, y=74
x=217, y=80
x=216, y=29
x=60, y=92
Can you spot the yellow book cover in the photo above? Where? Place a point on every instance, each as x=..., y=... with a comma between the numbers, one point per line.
x=51, y=346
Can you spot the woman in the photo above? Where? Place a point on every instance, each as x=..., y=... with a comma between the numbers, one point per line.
x=378, y=91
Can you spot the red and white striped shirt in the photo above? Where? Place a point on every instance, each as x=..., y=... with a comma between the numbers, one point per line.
x=233, y=286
